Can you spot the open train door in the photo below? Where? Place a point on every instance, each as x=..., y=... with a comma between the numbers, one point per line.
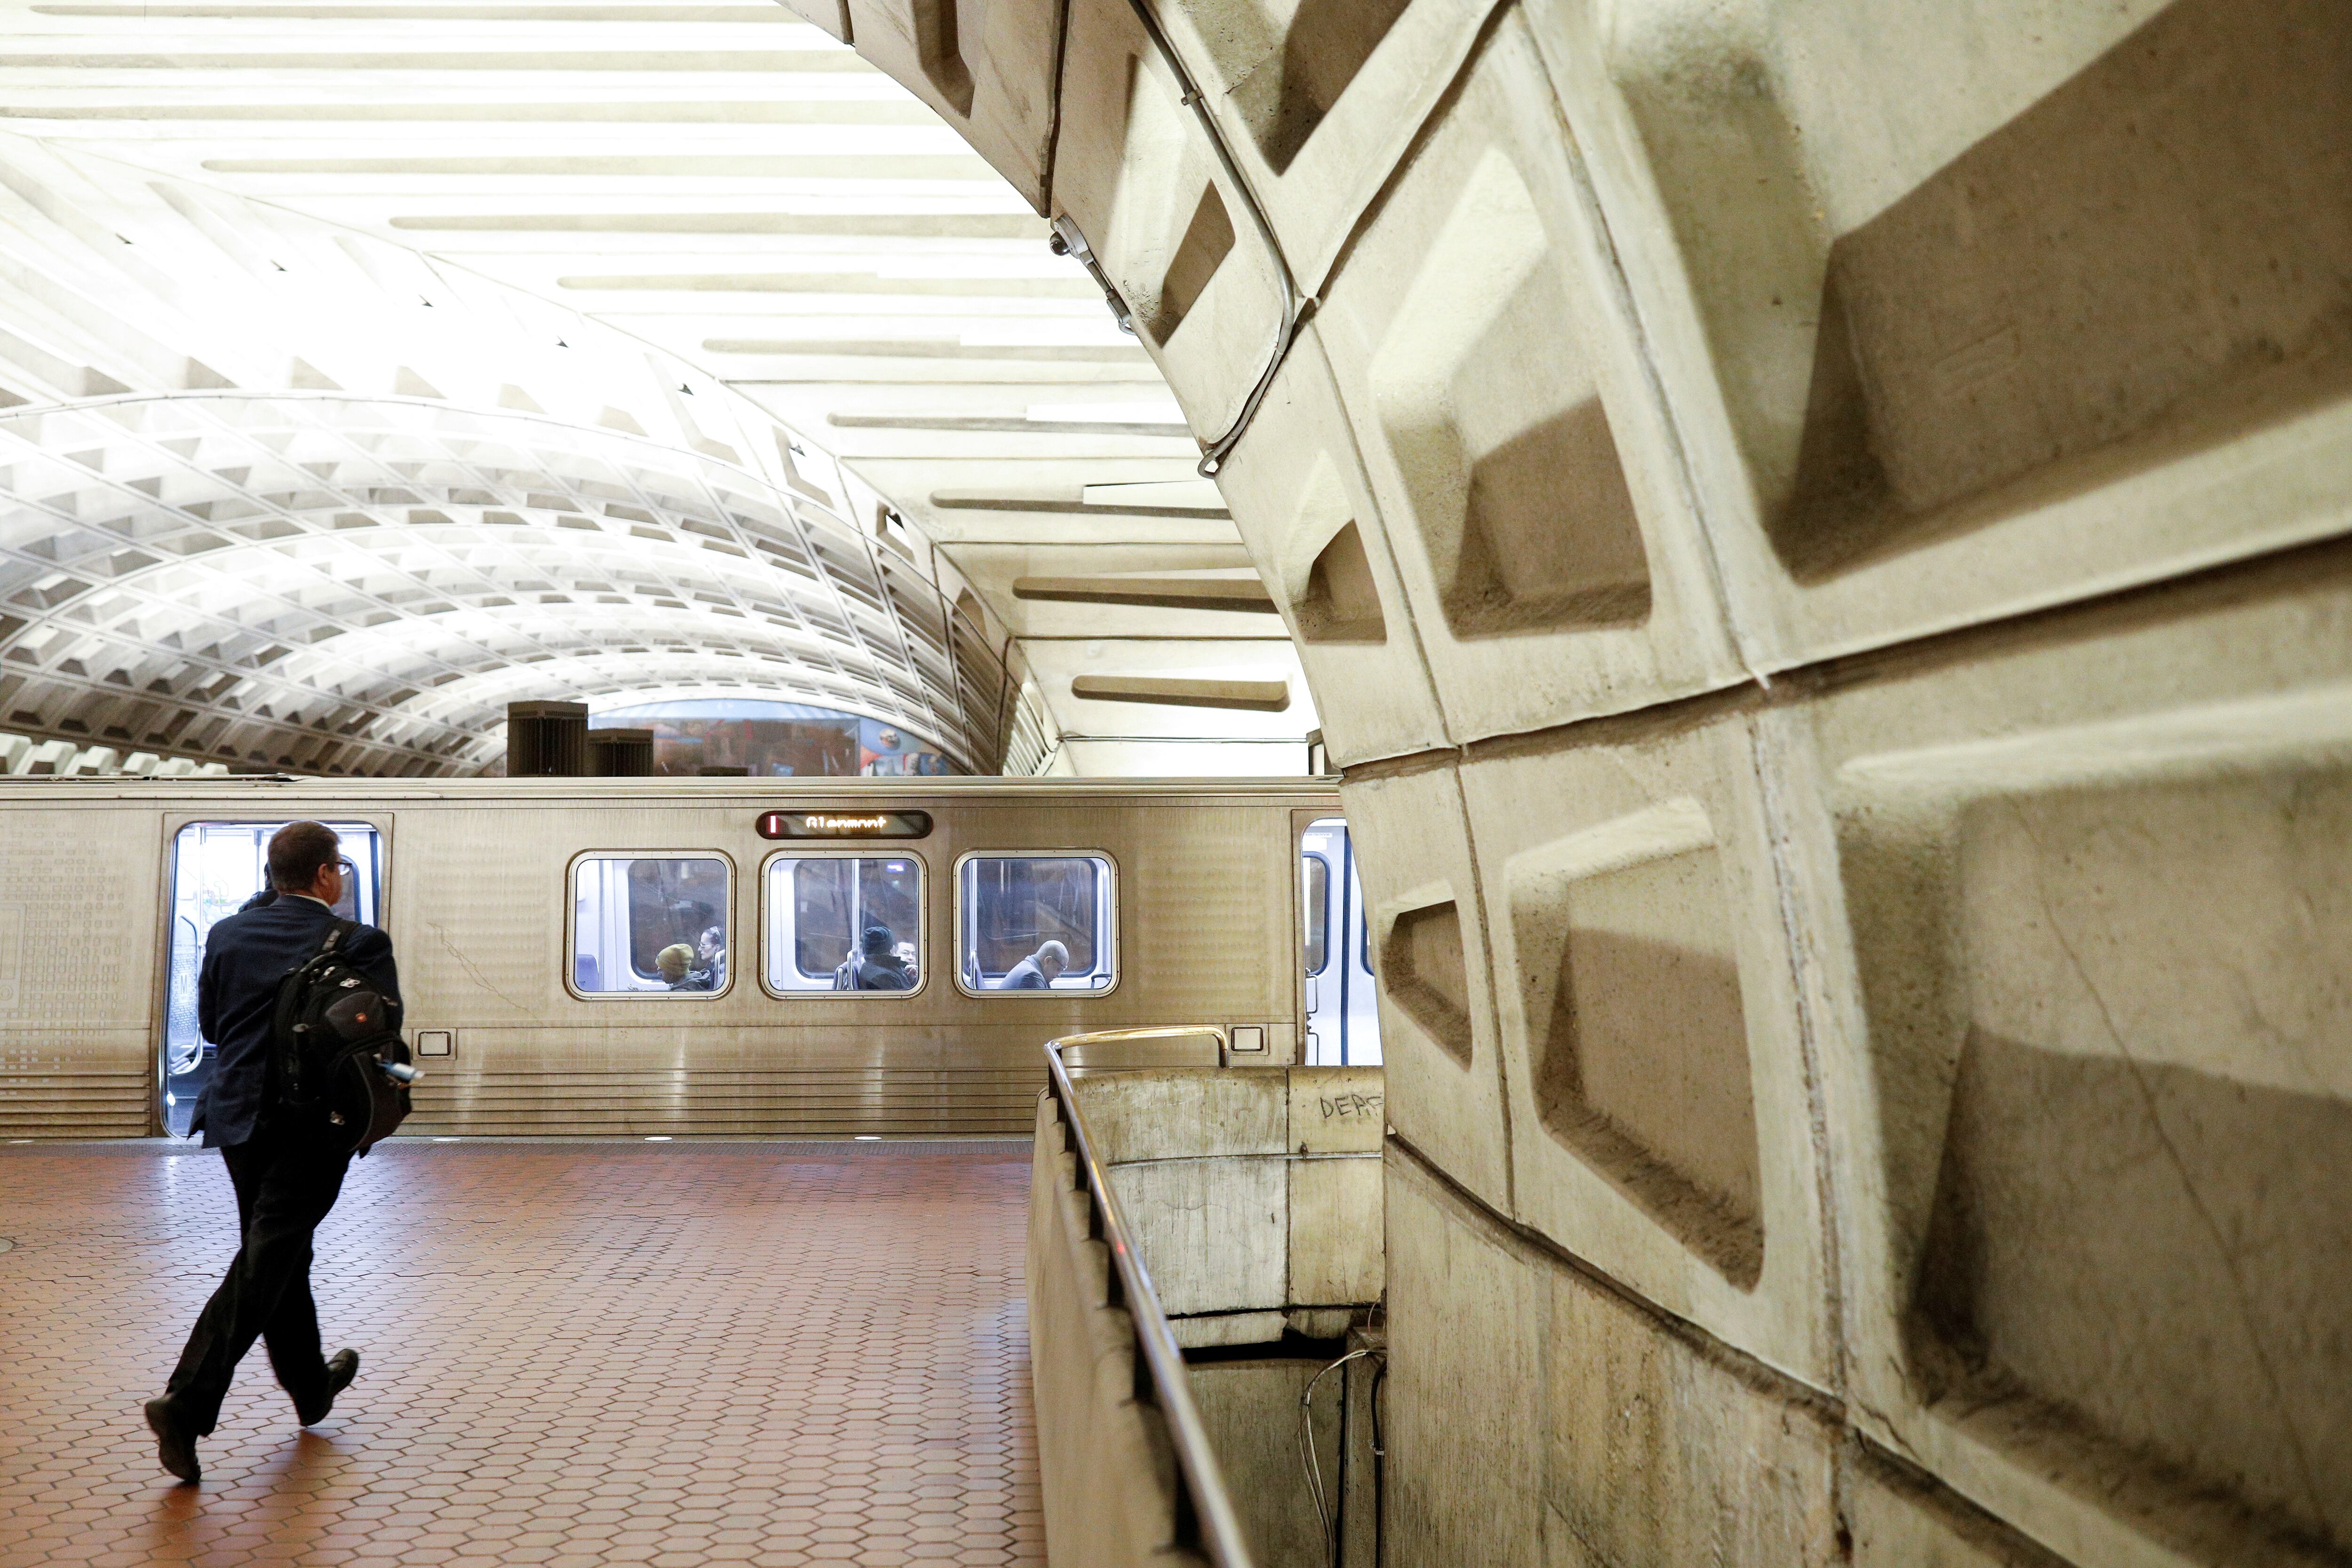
x=216, y=867
x=1340, y=1006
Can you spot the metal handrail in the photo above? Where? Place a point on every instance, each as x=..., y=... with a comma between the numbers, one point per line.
x=1205, y=1480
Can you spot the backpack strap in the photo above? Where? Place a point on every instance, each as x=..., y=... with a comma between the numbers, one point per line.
x=336, y=932
x=285, y=1065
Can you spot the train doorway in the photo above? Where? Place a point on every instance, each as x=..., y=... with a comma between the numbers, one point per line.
x=1342, y=1009
x=216, y=868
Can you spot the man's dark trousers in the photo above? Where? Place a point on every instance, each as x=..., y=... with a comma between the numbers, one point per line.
x=286, y=1182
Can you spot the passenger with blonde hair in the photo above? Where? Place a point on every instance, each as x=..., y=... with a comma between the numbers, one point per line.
x=676, y=963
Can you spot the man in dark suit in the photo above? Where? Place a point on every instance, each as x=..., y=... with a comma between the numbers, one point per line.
x=1038, y=971
x=287, y=1174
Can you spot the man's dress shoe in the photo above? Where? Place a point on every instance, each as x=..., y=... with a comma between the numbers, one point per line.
x=342, y=1367
x=175, y=1446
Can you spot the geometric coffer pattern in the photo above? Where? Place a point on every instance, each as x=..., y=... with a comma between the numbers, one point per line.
x=337, y=584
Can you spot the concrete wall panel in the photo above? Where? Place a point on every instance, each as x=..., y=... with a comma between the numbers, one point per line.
x=1337, y=1110
x=832, y=16
x=1926, y=1050
x=986, y=66
x=1227, y=1218
x=1527, y=475
x=1093, y=1438
x=1929, y=369
x=1251, y=1411
x=1659, y=1092
x=1660, y=1453
x=1133, y=169
x=1300, y=497
x=1468, y=1315
x=1250, y=1189
x=1899, y=1519
x=1437, y=1034
x=2087, y=928
x=1538, y=1416
x=1319, y=102
x=1176, y=1113
x=1334, y=1204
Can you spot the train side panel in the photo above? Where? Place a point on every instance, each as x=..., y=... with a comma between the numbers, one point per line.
x=477, y=897
x=1204, y=930
x=79, y=940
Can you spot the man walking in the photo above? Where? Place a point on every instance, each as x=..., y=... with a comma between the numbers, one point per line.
x=287, y=1172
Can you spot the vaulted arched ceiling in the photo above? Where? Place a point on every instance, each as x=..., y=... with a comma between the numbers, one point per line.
x=195, y=571
x=369, y=364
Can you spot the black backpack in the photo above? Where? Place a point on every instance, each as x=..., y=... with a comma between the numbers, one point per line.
x=334, y=1034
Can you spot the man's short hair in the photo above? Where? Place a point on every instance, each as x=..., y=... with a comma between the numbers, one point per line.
x=298, y=851
x=1055, y=951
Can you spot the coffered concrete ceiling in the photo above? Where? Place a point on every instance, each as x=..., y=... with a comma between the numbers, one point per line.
x=369, y=364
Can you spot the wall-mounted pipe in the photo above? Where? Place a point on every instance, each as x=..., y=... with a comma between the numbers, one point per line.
x=1295, y=308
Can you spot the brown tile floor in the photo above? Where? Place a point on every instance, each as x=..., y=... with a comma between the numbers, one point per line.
x=573, y=1353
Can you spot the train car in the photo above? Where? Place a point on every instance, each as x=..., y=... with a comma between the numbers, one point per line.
x=690, y=957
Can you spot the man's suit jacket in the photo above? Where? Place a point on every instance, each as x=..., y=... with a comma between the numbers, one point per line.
x=1025, y=975
x=246, y=955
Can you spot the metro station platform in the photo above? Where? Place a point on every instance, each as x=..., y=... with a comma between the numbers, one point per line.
x=573, y=1353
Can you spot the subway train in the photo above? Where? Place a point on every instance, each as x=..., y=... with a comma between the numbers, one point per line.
x=684, y=957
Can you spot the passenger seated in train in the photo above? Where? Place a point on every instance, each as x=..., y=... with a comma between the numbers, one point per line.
x=676, y=963
x=711, y=955
x=876, y=966
x=1038, y=971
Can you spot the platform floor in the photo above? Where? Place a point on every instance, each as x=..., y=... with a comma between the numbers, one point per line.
x=573, y=1353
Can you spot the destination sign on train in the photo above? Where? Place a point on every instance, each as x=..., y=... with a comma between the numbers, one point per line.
x=845, y=824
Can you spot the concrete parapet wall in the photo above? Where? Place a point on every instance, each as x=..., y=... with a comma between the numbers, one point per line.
x=1109, y=1476
x=1253, y=1198
x=1253, y=1193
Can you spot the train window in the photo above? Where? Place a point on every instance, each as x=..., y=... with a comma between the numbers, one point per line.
x=1315, y=893
x=845, y=923
x=649, y=925
x=217, y=867
x=1036, y=923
